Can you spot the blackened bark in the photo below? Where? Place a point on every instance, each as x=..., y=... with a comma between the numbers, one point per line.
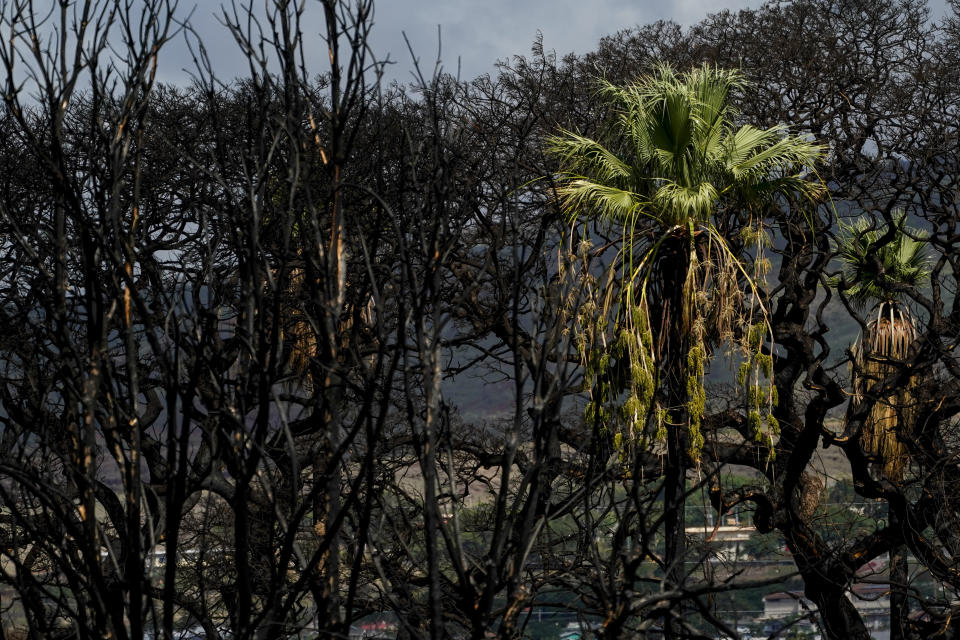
x=899, y=577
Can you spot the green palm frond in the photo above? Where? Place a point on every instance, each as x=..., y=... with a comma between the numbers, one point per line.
x=745, y=142
x=604, y=201
x=670, y=124
x=713, y=112
x=875, y=272
x=712, y=88
x=756, y=154
x=693, y=203
x=586, y=156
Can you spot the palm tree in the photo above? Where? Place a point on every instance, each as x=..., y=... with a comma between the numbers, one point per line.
x=670, y=165
x=879, y=265
x=679, y=179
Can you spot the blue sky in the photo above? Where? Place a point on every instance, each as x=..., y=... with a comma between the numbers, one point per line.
x=474, y=34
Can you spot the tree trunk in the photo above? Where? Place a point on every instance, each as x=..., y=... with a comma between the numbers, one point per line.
x=899, y=576
x=825, y=585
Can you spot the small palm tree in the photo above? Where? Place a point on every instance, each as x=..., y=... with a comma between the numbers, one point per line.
x=879, y=266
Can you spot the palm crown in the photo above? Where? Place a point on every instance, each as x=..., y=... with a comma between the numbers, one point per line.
x=672, y=154
x=875, y=272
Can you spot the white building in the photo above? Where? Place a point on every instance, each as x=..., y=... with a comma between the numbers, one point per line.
x=728, y=540
x=871, y=600
x=785, y=604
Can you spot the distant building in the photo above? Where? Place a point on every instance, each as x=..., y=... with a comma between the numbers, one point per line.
x=727, y=540
x=872, y=601
x=785, y=604
x=375, y=627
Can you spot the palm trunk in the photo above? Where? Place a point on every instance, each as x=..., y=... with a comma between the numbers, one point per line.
x=890, y=420
x=674, y=505
x=899, y=575
x=672, y=341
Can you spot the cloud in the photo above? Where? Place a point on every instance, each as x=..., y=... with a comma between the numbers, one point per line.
x=480, y=34
x=473, y=35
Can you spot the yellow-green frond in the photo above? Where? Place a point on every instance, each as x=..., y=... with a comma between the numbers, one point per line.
x=680, y=203
x=585, y=156
x=769, y=150
x=580, y=195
